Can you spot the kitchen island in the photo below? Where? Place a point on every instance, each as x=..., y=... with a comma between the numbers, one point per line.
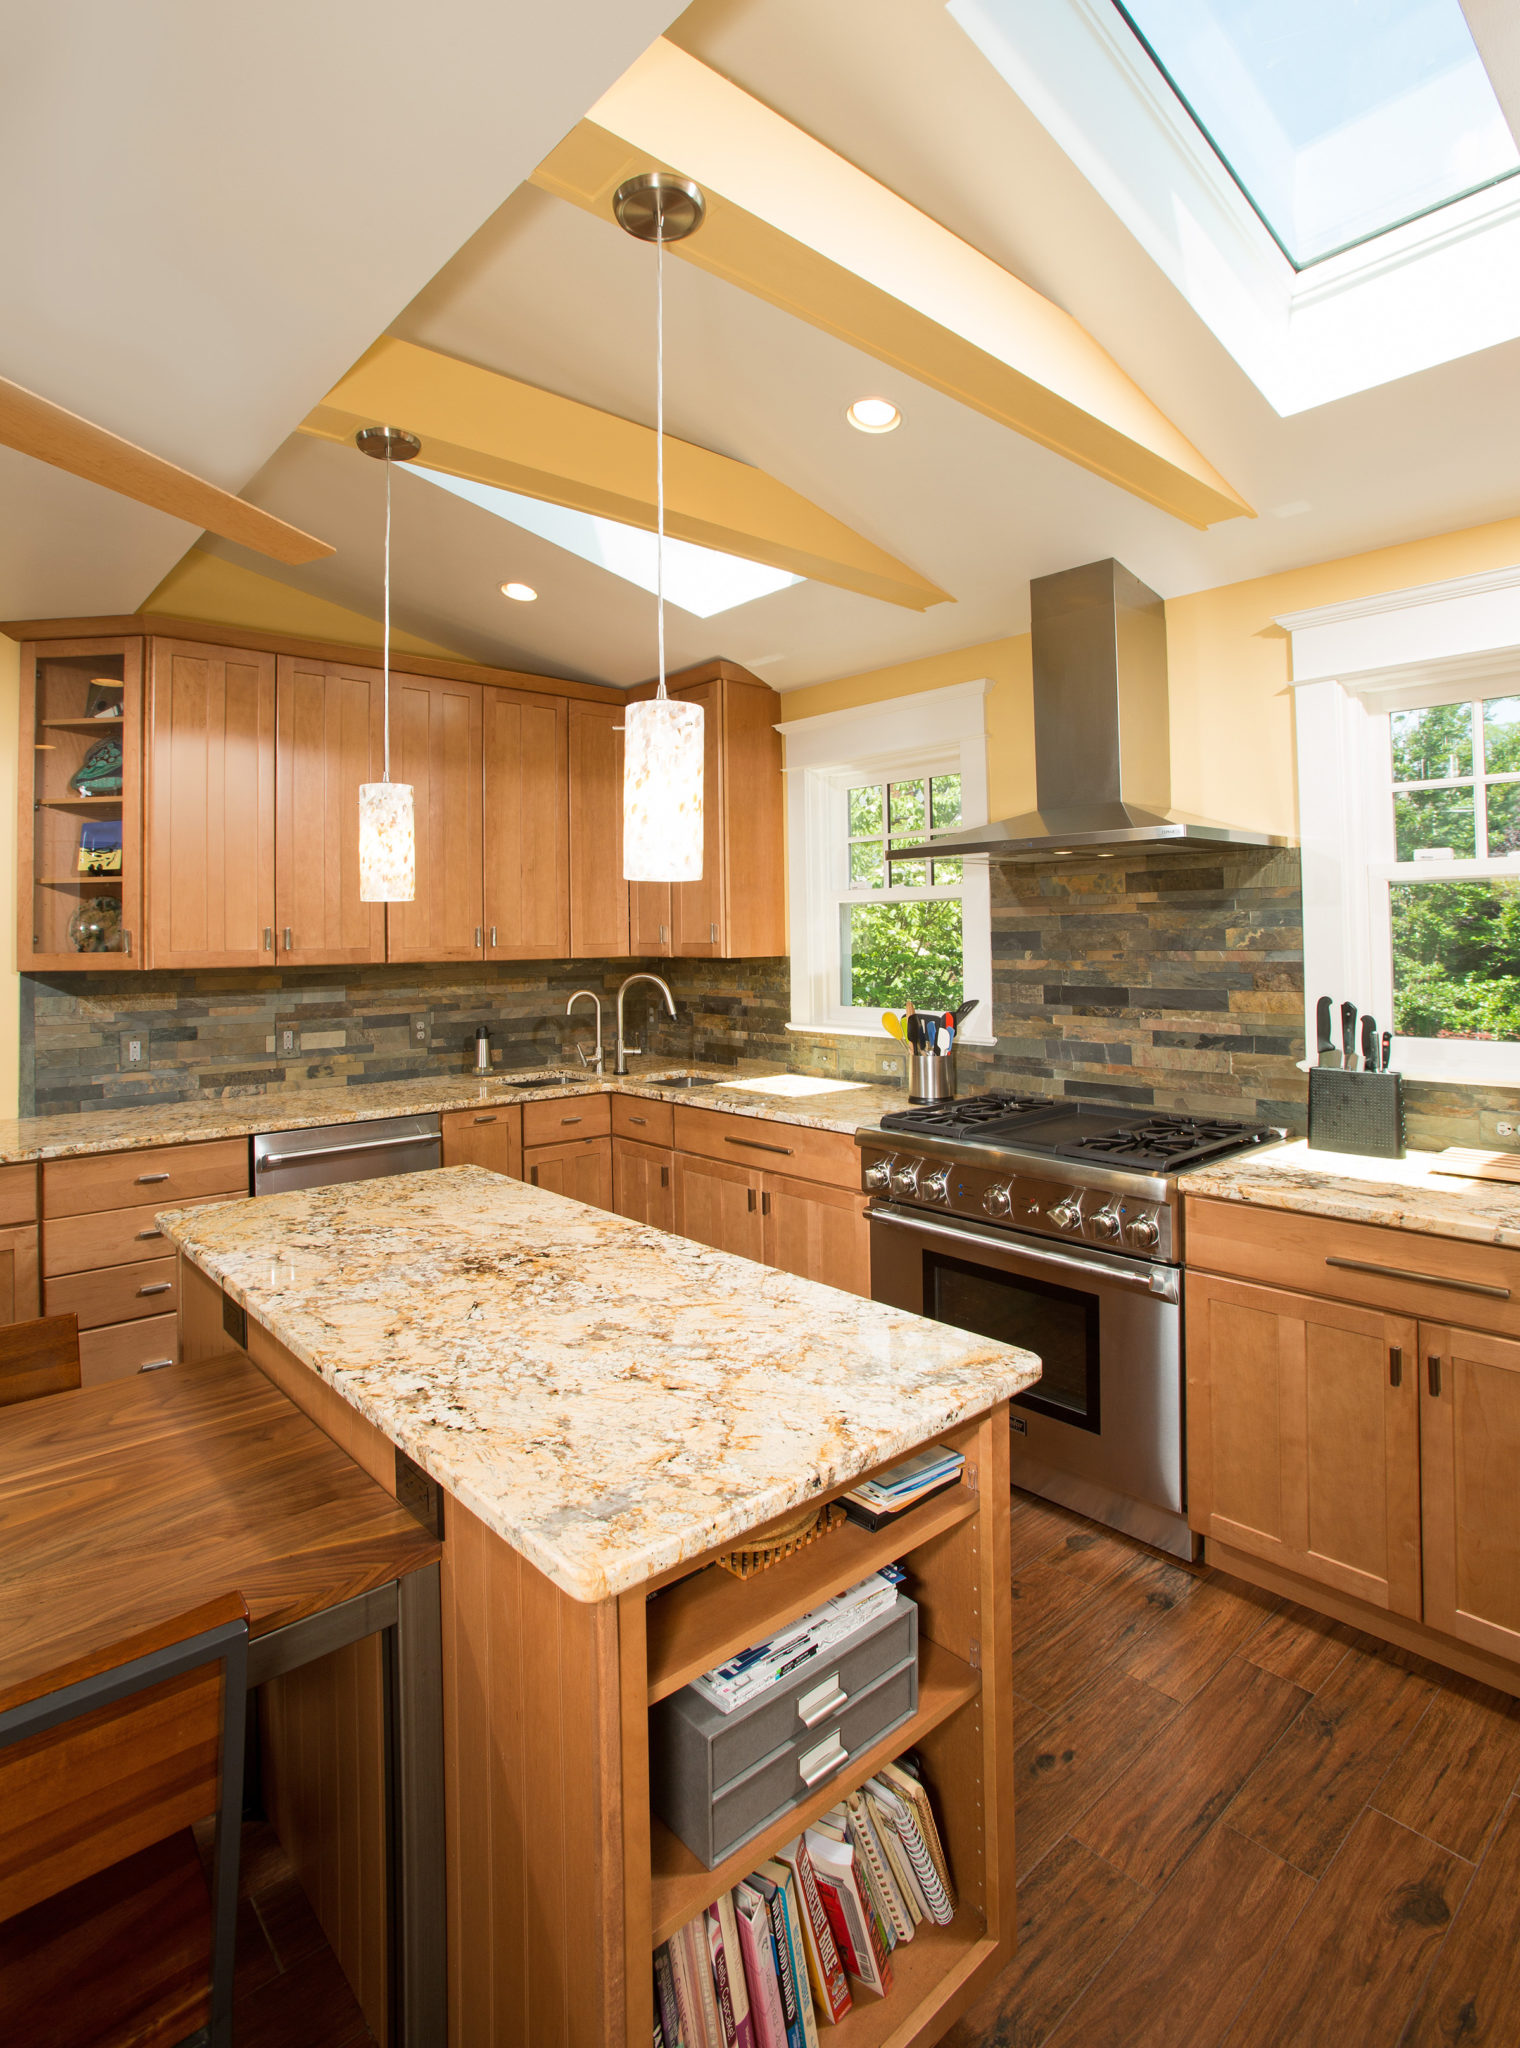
x=605, y=1409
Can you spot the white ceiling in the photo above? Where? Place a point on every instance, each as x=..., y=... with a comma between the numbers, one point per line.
x=208, y=212
x=546, y=293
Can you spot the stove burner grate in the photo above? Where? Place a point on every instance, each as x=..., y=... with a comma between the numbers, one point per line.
x=950, y=1119
x=1167, y=1140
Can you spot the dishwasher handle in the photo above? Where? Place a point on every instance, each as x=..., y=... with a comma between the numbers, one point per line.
x=270, y=1160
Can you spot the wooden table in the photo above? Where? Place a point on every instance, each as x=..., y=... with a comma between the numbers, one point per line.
x=124, y=1505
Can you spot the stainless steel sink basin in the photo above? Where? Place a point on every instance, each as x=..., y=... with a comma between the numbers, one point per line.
x=676, y=1080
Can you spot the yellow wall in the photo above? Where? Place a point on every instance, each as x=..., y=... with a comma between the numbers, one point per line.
x=1232, y=712
x=10, y=981
x=202, y=586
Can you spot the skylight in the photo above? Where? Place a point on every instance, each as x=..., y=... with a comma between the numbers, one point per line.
x=1338, y=119
x=699, y=580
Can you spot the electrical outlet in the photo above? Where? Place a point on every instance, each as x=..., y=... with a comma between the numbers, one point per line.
x=287, y=1040
x=1507, y=1130
x=420, y=1032
x=892, y=1067
x=134, y=1048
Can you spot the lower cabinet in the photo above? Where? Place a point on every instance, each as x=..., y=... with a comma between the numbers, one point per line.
x=718, y=1203
x=1470, y=1486
x=643, y=1183
x=484, y=1137
x=19, y=1299
x=581, y=1168
x=804, y=1227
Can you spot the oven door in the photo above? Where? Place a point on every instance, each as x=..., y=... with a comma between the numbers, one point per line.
x=1107, y=1329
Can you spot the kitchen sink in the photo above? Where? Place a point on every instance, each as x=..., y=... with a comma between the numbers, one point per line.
x=676, y=1080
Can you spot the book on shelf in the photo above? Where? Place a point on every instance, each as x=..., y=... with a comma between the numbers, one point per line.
x=826, y=1972
x=694, y=1957
x=728, y=1974
x=871, y=1851
x=911, y=1480
x=897, y=1856
x=906, y=1806
x=762, y=1977
x=776, y=1885
x=666, y=2005
x=878, y=1518
x=849, y=1909
x=767, y=1663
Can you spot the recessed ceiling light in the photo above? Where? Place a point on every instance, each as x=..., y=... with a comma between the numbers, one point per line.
x=874, y=415
x=524, y=593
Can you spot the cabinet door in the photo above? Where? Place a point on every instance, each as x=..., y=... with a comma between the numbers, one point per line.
x=484, y=1137
x=643, y=1183
x=1470, y=1474
x=581, y=1169
x=329, y=738
x=818, y=1233
x=1303, y=1436
x=210, y=808
x=435, y=746
x=649, y=916
x=719, y=1205
x=697, y=907
x=527, y=827
x=19, y=1298
x=598, y=893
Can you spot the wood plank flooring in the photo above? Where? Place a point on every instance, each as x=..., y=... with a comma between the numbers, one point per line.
x=1240, y=1825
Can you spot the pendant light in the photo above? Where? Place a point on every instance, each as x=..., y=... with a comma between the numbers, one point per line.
x=387, y=824
x=663, y=739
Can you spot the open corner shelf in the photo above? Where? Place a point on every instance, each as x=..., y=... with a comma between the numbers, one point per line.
x=80, y=724
x=79, y=881
x=79, y=803
x=698, y=1621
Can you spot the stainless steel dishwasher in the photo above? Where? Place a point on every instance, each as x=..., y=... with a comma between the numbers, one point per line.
x=326, y=1153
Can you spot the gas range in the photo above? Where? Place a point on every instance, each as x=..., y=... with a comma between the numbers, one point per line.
x=1101, y=1173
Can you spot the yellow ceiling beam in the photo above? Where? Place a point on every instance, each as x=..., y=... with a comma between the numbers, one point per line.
x=475, y=423
x=795, y=224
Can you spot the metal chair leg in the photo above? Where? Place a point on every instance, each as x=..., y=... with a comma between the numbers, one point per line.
x=226, y=1852
x=414, y=1763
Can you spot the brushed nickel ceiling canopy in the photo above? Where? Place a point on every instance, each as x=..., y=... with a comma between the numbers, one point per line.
x=657, y=206
x=388, y=444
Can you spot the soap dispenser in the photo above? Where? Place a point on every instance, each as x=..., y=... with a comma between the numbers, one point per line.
x=482, y=1050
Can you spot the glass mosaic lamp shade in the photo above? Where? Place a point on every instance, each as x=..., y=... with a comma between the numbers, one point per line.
x=662, y=791
x=387, y=843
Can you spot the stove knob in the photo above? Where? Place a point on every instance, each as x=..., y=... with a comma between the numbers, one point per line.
x=998, y=1200
x=937, y=1186
x=905, y=1177
x=1145, y=1233
x=1107, y=1222
x=1067, y=1213
x=879, y=1173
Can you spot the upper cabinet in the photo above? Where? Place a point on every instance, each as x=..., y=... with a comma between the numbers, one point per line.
x=436, y=747
x=527, y=826
x=209, y=806
x=79, y=851
x=598, y=893
x=329, y=738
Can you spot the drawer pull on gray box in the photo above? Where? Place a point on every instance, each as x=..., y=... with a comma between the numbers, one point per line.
x=825, y=1699
x=814, y=1765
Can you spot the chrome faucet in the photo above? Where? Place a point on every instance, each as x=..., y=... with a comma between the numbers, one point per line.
x=586, y=1058
x=623, y=1047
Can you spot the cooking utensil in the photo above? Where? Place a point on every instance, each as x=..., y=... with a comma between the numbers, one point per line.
x=1348, y=1037
x=964, y=1012
x=1328, y=1056
x=1369, y=1044
x=891, y=1023
x=1387, y=1050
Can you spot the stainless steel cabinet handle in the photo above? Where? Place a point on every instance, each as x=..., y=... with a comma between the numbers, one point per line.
x=485, y=1119
x=712, y=930
x=751, y=1194
x=155, y=1364
x=1433, y=1374
x=664, y=1176
x=572, y=1119
x=268, y=948
x=638, y=1119
x=478, y=937
x=493, y=937
x=148, y=1179
x=289, y=945
x=533, y=1175
x=270, y=1160
x=126, y=942
x=765, y=1205
x=1395, y=1366
x=754, y=1145
x=1426, y=1279
x=822, y=1762
x=150, y=1233
x=664, y=934
x=157, y=1287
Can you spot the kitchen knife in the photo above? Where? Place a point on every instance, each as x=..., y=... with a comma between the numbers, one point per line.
x=1348, y=1036
x=1387, y=1051
x=1328, y=1056
x=1369, y=1044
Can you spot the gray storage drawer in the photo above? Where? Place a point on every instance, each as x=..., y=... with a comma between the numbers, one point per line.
x=716, y=1779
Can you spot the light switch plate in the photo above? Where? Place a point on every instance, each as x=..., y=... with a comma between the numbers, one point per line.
x=134, y=1049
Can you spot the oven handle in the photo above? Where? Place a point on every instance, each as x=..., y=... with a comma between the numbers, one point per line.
x=1158, y=1281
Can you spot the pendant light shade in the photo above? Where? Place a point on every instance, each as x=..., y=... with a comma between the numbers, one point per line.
x=387, y=821
x=662, y=791
x=663, y=747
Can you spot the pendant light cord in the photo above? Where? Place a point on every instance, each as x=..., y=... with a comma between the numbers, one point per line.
x=386, y=775
x=659, y=443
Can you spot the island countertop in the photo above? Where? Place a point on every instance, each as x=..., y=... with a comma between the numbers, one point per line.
x=609, y=1399
x=1398, y=1194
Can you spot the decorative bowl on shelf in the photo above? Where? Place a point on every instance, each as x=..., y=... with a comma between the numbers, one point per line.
x=95, y=926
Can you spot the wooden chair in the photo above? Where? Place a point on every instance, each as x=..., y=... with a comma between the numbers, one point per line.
x=106, y=1931
x=40, y=1357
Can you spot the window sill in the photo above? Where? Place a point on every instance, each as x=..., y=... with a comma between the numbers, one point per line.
x=870, y=1031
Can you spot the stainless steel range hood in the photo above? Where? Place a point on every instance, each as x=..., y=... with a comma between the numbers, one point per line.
x=1101, y=730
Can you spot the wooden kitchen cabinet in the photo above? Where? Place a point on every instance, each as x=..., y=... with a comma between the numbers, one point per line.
x=598, y=893
x=209, y=865
x=1470, y=1486
x=484, y=1137
x=527, y=826
x=20, y=1299
x=329, y=738
x=643, y=1183
x=1304, y=1436
x=581, y=1168
x=718, y=1203
x=436, y=739
x=816, y=1232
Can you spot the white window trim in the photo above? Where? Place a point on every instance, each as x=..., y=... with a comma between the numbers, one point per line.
x=931, y=731
x=1441, y=642
x=1429, y=292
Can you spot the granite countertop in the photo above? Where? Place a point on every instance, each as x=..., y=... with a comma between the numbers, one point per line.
x=825, y=1106
x=609, y=1399
x=1398, y=1194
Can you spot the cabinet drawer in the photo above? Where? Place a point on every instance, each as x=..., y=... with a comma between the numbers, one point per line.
x=165, y=1176
x=117, y=1294
x=121, y=1349
x=1443, y=1279
x=651, y=1123
x=18, y=1195
x=761, y=1141
x=552, y=1123
x=114, y=1237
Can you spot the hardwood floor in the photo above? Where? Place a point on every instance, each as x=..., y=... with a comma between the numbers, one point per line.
x=1240, y=1825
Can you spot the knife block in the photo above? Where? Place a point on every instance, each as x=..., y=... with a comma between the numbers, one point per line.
x=1356, y=1112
